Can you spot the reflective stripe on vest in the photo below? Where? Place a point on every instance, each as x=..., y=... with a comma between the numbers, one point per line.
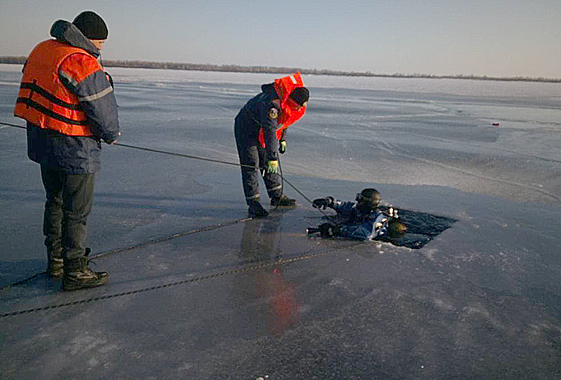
x=43, y=99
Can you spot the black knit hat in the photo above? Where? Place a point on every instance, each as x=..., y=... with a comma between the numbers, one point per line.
x=91, y=25
x=300, y=95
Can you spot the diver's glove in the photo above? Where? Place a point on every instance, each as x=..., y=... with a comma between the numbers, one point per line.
x=323, y=202
x=282, y=147
x=273, y=167
x=329, y=230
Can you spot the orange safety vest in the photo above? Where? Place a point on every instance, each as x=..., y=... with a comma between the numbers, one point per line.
x=290, y=113
x=43, y=99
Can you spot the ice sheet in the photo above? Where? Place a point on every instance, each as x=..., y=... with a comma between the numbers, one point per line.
x=479, y=301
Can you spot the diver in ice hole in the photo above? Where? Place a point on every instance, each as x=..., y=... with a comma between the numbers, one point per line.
x=361, y=220
x=260, y=129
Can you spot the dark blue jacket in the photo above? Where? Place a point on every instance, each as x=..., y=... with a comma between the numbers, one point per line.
x=260, y=112
x=77, y=155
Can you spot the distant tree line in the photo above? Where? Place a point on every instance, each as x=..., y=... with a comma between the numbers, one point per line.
x=284, y=70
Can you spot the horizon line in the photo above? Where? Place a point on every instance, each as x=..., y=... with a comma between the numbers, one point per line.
x=141, y=64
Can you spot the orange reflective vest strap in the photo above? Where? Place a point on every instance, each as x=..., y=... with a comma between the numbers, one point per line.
x=43, y=99
x=290, y=115
x=262, y=138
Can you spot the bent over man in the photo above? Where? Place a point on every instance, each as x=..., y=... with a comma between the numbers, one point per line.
x=259, y=126
x=68, y=102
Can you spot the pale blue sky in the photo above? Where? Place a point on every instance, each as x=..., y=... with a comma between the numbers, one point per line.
x=441, y=37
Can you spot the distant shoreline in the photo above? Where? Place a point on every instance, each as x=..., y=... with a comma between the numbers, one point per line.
x=284, y=70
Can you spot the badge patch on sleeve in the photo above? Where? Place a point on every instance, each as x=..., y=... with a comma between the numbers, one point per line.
x=273, y=113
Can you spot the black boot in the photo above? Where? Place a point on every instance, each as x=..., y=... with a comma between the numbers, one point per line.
x=77, y=275
x=282, y=200
x=256, y=210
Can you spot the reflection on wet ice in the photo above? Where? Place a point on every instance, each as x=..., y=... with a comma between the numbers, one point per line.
x=261, y=243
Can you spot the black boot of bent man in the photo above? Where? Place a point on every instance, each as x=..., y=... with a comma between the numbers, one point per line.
x=77, y=275
x=282, y=200
x=256, y=210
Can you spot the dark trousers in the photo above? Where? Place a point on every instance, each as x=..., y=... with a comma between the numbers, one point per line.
x=69, y=202
x=253, y=160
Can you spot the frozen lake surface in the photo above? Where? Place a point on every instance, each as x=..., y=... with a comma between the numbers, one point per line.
x=196, y=291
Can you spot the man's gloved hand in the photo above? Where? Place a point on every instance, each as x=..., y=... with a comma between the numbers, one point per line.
x=282, y=147
x=328, y=230
x=273, y=167
x=322, y=202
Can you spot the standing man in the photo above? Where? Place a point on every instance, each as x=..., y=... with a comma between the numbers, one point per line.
x=259, y=127
x=68, y=102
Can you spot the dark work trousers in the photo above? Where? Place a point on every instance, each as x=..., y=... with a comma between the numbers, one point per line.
x=69, y=202
x=252, y=156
